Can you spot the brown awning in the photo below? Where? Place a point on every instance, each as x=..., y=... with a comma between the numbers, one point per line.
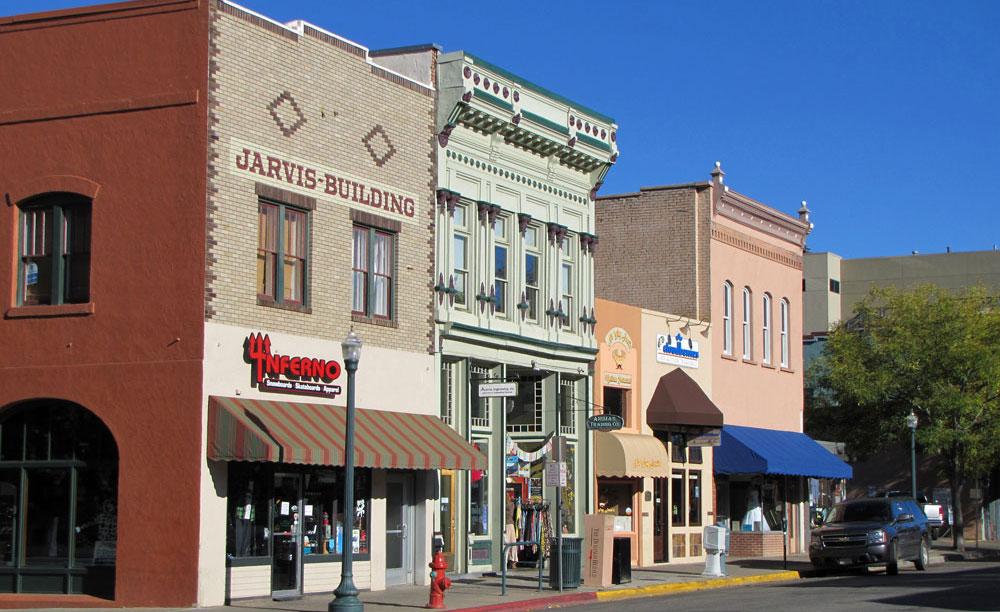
x=678, y=400
x=288, y=432
x=629, y=455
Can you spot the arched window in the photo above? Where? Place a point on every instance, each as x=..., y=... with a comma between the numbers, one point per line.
x=765, y=327
x=747, y=327
x=54, y=250
x=58, y=501
x=784, y=333
x=727, y=318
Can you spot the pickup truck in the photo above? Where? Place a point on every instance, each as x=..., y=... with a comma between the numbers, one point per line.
x=935, y=515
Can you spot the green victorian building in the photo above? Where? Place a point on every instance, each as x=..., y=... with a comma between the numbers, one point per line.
x=518, y=170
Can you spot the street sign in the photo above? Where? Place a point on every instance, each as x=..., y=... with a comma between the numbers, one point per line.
x=503, y=389
x=555, y=473
x=605, y=422
x=712, y=437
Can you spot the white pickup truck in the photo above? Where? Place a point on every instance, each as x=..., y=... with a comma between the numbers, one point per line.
x=935, y=515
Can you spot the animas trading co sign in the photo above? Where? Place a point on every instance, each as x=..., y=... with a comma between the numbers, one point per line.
x=276, y=373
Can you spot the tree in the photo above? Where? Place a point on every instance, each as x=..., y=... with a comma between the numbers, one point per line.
x=928, y=350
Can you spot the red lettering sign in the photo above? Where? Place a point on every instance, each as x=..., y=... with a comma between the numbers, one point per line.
x=285, y=374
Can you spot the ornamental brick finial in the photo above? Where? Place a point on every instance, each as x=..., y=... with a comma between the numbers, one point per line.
x=717, y=173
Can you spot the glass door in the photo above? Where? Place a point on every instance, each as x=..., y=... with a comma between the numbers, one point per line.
x=286, y=537
x=447, y=525
x=398, y=523
x=661, y=531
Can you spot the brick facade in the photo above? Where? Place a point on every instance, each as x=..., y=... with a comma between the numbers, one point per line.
x=305, y=95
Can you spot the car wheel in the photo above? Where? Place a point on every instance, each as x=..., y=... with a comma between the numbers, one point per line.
x=892, y=567
x=923, y=558
x=934, y=533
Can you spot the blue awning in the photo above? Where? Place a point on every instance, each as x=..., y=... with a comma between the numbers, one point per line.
x=750, y=450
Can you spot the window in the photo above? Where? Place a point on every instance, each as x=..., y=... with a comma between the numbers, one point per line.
x=374, y=255
x=834, y=285
x=677, y=498
x=282, y=253
x=567, y=406
x=447, y=391
x=784, y=333
x=616, y=402
x=54, y=266
x=568, y=507
x=747, y=328
x=677, y=448
x=531, y=262
x=765, y=327
x=479, y=495
x=480, y=405
x=500, y=266
x=727, y=318
x=566, y=298
x=694, y=498
x=525, y=414
x=460, y=258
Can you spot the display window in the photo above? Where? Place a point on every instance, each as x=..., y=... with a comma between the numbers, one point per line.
x=677, y=498
x=479, y=495
x=568, y=502
x=617, y=498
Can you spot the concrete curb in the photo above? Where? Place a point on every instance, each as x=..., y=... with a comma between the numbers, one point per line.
x=556, y=601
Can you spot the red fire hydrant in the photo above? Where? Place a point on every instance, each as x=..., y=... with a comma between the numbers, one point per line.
x=439, y=582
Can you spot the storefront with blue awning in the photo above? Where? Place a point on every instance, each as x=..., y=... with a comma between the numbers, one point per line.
x=760, y=487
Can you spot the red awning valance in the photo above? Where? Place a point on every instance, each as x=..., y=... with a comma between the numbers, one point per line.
x=290, y=432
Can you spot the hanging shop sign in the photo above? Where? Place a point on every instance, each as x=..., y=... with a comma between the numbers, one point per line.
x=276, y=373
x=677, y=350
x=605, y=422
x=314, y=180
x=712, y=437
x=501, y=389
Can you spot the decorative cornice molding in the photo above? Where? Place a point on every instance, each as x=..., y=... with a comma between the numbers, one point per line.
x=752, y=245
x=761, y=217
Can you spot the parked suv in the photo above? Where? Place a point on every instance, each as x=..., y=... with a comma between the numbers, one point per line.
x=876, y=531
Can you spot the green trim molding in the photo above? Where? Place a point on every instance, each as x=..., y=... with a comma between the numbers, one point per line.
x=491, y=99
x=542, y=121
x=519, y=338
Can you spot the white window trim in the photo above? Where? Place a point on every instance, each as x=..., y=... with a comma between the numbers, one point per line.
x=766, y=330
x=727, y=318
x=784, y=333
x=747, y=324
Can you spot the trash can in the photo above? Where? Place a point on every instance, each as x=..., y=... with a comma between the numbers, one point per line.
x=571, y=560
x=621, y=561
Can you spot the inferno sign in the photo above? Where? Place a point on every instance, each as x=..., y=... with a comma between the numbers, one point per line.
x=276, y=373
x=310, y=179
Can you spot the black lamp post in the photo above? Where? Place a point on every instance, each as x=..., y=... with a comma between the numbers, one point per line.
x=911, y=422
x=346, y=595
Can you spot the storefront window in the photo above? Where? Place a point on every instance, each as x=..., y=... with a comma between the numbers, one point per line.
x=479, y=494
x=677, y=447
x=616, y=498
x=694, y=498
x=677, y=498
x=694, y=454
x=249, y=518
x=615, y=401
x=568, y=507
x=526, y=410
x=480, y=405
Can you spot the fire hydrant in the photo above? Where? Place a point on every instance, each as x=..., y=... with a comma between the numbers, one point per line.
x=439, y=582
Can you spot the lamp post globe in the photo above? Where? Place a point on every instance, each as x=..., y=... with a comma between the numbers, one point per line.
x=346, y=595
x=911, y=422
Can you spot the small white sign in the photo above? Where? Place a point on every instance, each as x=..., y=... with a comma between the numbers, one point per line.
x=677, y=350
x=504, y=389
x=555, y=474
x=285, y=508
x=309, y=510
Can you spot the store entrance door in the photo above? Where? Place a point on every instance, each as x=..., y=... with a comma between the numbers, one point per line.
x=286, y=537
x=661, y=521
x=447, y=525
x=398, y=525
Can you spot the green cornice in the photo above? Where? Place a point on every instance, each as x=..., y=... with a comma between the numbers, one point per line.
x=552, y=125
x=495, y=101
x=593, y=142
x=518, y=338
x=538, y=88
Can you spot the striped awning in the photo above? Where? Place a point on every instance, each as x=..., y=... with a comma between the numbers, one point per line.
x=290, y=432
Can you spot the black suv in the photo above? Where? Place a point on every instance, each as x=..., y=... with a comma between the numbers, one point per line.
x=877, y=531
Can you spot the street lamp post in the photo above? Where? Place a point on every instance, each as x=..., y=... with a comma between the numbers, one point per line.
x=911, y=422
x=346, y=595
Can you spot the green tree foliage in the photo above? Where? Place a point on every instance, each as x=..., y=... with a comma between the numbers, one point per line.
x=928, y=350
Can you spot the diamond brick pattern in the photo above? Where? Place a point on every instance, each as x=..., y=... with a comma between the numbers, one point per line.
x=379, y=146
x=286, y=113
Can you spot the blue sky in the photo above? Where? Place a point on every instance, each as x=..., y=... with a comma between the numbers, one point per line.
x=883, y=115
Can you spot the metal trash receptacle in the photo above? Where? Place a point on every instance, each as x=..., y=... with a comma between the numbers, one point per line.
x=571, y=560
x=621, y=561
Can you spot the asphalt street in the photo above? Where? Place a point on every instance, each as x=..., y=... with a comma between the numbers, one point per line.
x=947, y=586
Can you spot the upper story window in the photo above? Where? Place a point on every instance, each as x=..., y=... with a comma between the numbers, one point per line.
x=834, y=285
x=54, y=264
x=373, y=269
x=616, y=403
x=765, y=327
x=460, y=256
x=282, y=253
x=747, y=324
x=500, y=272
x=566, y=295
x=727, y=318
x=784, y=333
x=532, y=260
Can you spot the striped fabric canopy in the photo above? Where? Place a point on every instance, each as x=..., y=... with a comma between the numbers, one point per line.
x=288, y=432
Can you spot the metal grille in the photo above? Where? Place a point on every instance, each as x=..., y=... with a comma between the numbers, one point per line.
x=448, y=398
x=536, y=425
x=479, y=373
x=845, y=540
x=567, y=405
